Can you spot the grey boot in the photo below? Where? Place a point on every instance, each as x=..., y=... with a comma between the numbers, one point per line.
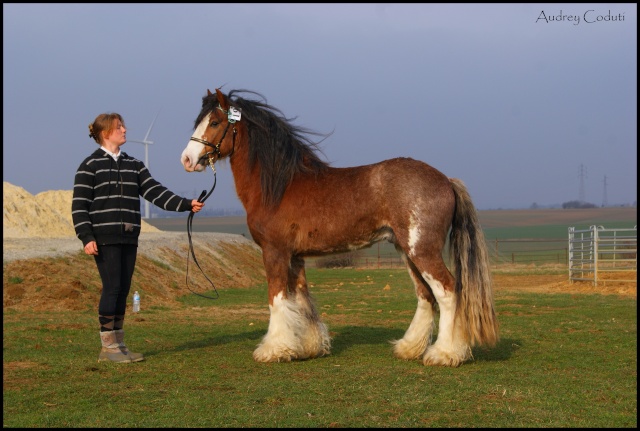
x=135, y=357
x=111, y=349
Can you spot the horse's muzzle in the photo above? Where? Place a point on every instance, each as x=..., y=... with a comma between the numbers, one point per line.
x=189, y=166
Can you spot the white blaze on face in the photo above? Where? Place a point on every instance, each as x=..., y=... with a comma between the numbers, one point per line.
x=191, y=153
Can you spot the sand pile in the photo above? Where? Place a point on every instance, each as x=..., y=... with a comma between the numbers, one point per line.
x=45, y=215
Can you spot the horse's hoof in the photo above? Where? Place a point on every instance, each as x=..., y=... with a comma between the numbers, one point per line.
x=436, y=356
x=402, y=349
x=274, y=355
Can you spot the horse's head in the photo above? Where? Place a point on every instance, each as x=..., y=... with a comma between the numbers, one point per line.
x=214, y=135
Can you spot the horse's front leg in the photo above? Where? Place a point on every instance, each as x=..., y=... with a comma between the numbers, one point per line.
x=290, y=322
x=315, y=336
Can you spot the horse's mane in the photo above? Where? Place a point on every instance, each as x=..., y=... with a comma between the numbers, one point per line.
x=281, y=148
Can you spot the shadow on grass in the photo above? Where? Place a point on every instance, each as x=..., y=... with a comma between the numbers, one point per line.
x=213, y=341
x=502, y=351
x=345, y=337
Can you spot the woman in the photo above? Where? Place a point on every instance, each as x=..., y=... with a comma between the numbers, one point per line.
x=106, y=217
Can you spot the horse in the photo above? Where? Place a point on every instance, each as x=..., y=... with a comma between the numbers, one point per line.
x=299, y=206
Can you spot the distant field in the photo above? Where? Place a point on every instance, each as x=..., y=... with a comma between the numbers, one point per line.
x=552, y=223
x=502, y=224
x=235, y=224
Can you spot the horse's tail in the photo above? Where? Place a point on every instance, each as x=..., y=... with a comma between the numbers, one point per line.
x=475, y=310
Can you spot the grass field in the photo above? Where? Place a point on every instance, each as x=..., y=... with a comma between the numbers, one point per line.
x=564, y=360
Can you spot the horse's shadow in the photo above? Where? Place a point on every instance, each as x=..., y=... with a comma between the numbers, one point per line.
x=201, y=343
x=345, y=337
x=348, y=336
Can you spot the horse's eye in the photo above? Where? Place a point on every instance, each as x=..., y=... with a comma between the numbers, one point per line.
x=214, y=123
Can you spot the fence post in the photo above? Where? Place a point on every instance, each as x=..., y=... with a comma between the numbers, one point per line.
x=595, y=254
x=570, y=251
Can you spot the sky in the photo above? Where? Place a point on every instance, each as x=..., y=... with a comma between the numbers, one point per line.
x=525, y=103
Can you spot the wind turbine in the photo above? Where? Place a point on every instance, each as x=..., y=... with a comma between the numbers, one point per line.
x=146, y=143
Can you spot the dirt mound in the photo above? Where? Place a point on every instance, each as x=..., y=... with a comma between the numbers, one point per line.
x=45, y=269
x=45, y=215
x=70, y=281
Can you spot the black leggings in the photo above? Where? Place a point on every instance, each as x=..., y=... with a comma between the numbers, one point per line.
x=115, y=264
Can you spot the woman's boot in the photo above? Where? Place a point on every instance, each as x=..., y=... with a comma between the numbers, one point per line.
x=111, y=349
x=135, y=357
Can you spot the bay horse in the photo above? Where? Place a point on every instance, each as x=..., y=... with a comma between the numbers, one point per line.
x=298, y=205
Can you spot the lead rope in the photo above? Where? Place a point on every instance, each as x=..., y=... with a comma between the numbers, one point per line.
x=202, y=198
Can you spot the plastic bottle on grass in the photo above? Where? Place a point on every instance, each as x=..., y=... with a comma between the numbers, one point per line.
x=136, y=302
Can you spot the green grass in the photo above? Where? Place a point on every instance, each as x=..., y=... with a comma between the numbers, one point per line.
x=563, y=361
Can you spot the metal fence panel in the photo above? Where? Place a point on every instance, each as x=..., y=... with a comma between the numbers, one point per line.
x=597, y=250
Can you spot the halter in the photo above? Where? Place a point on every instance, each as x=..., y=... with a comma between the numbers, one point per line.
x=232, y=116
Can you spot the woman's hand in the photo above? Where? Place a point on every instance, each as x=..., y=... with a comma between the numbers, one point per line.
x=196, y=206
x=91, y=248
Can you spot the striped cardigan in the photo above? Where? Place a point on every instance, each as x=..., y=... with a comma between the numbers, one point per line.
x=106, y=198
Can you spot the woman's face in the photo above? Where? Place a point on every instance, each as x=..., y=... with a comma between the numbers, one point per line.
x=118, y=135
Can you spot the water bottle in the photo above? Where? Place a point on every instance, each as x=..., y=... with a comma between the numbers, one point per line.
x=136, y=302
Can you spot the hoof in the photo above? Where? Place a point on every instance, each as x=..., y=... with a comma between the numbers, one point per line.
x=402, y=349
x=273, y=354
x=437, y=356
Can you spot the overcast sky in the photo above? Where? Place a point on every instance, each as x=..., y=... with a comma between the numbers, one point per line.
x=523, y=102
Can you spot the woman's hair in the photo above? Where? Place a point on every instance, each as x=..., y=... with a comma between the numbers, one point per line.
x=103, y=125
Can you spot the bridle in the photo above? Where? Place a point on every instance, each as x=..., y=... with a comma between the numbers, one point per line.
x=232, y=116
x=214, y=155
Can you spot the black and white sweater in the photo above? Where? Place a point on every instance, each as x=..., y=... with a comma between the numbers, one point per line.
x=106, y=198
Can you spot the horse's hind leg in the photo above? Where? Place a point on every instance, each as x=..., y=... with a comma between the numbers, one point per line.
x=417, y=338
x=295, y=331
x=452, y=346
x=433, y=282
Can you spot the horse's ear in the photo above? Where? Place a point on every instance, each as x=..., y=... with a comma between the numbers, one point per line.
x=222, y=100
x=208, y=92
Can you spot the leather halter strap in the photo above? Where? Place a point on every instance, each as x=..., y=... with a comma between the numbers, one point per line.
x=216, y=148
x=203, y=197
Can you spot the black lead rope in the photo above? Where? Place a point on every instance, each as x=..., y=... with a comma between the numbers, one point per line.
x=202, y=198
